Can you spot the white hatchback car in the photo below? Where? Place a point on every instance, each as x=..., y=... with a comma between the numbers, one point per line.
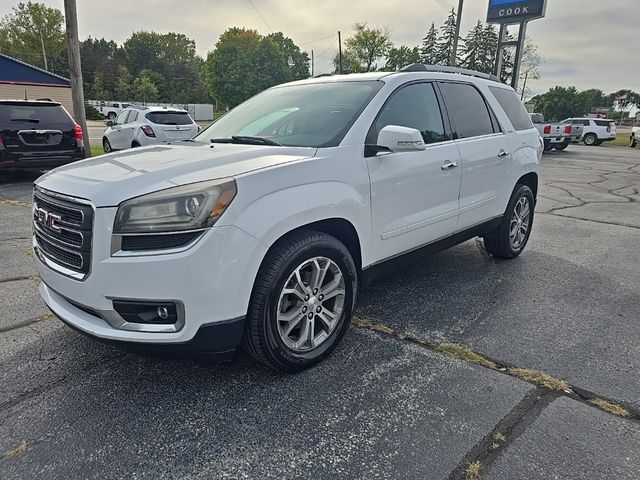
x=261, y=230
x=140, y=126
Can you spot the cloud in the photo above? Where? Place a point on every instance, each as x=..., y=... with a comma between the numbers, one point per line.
x=583, y=43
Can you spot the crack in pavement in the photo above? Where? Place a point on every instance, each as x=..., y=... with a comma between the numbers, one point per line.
x=469, y=356
x=512, y=425
x=27, y=323
x=618, y=224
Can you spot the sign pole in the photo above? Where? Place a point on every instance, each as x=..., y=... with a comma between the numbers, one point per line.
x=518, y=59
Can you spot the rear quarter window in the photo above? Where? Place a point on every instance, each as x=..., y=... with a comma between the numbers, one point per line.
x=169, y=118
x=603, y=123
x=34, y=114
x=513, y=107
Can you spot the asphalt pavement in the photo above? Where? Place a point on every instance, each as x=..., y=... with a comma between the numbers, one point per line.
x=542, y=382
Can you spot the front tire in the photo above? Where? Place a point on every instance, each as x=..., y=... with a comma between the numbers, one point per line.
x=302, y=302
x=590, y=139
x=511, y=237
x=633, y=142
x=106, y=145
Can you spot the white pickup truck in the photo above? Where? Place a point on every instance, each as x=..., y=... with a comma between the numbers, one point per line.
x=556, y=136
x=112, y=109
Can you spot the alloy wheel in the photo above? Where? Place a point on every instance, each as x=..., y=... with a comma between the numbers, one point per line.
x=310, y=305
x=520, y=221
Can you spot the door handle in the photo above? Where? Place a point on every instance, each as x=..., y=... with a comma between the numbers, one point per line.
x=448, y=165
x=503, y=154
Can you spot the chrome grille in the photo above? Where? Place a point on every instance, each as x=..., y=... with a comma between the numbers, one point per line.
x=63, y=230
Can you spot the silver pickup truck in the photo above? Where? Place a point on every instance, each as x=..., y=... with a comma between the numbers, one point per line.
x=556, y=136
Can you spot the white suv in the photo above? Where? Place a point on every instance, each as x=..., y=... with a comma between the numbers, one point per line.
x=141, y=126
x=595, y=130
x=261, y=230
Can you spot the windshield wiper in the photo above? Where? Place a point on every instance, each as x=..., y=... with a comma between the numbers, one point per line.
x=246, y=139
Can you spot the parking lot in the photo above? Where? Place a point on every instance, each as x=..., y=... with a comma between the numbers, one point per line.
x=521, y=369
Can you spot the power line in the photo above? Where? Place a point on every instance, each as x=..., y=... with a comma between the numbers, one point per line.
x=317, y=40
x=263, y=19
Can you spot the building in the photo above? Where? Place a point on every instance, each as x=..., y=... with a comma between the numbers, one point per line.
x=19, y=80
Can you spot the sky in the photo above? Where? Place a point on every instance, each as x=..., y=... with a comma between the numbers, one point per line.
x=584, y=43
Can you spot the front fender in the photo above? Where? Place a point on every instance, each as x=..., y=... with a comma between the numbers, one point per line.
x=271, y=216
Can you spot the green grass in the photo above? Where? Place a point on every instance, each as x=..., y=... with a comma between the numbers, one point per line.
x=622, y=139
x=96, y=151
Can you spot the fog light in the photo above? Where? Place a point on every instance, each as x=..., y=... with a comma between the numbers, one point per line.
x=165, y=313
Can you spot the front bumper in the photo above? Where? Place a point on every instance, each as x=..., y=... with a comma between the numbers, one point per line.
x=212, y=281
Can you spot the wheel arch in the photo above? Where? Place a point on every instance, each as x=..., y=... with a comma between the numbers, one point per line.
x=340, y=228
x=530, y=180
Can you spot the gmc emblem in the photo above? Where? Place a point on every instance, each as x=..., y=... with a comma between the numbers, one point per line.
x=48, y=220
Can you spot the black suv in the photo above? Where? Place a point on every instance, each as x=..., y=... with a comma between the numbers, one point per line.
x=37, y=134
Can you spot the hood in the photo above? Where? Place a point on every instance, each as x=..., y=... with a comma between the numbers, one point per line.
x=110, y=179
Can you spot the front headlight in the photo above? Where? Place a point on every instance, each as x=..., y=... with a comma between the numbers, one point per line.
x=189, y=207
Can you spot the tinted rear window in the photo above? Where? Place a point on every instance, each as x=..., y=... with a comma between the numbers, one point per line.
x=603, y=123
x=169, y=118
x=33, y=114
x=468, y=111
x=513, y=107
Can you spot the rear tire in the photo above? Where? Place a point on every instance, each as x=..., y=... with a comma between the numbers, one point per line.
x=511, y=237
x=562, y=146
x=590, y=139
x=135, y=144
x=288, y=287
x=547, y=147
x=106, y=145
x=633, y=142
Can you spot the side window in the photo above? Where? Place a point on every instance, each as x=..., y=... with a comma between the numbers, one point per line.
x=133, y=116
x=467, y=109
x=414, y=106
x=513, y=107
x=121, y=118
x=586, y=123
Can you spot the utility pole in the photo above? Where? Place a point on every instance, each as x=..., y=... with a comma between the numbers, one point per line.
x=312, y=63
x=44, y=52
x=75, y=69
x=340, y=52
x=454, y=50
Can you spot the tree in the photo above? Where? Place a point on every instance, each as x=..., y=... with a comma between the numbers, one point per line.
x=400, y=57
x=300, y=68
x=145, y=87
x=270, y=65
x=100, y=55
x=122, y=86
x=97, y=90
x=444, y=47
x=429, y=46
x=34, y=33
x=473, y=52
x=559, y=103
x=367, y=46
x=529, y=66
x=488, y=49
x=244, y=62
x=172, y=56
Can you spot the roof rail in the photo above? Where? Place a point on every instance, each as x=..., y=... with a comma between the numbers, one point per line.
x=421, y=67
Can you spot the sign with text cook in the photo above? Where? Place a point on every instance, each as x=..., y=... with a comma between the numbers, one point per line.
x=515, y=11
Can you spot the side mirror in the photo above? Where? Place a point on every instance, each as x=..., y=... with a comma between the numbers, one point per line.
x=109, y=123
x=401, y=139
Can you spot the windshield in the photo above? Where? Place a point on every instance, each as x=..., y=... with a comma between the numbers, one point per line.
x=312, y=115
